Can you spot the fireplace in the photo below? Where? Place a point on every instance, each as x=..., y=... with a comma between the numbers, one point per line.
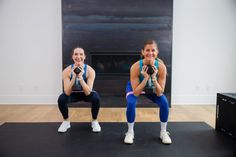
x=112, y=34
x=113, y=64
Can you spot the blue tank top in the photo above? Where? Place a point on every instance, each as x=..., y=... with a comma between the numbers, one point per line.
x=141, y=66
x=77, y=86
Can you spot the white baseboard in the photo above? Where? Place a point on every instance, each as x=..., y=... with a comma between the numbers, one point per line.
x=193, y=99
x=52, y=99
x=28, y=99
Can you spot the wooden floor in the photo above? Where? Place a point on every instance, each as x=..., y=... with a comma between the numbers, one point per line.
x=50, y=113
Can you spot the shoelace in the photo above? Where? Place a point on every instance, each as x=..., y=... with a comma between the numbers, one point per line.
x=129, y=133
x=166, y=134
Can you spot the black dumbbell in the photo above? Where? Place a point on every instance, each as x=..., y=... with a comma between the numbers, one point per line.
x=77, y=70
x=150, y=70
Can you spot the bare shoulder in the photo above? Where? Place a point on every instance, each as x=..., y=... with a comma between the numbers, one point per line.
x=66, y=71
x=134, y=70
x=135, y=66
x=90, y=72
x=67, y=68
x=161, y=66
x=90, y=69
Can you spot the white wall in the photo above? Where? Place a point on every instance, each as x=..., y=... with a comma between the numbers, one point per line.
x=204, y=50
x=30, y=51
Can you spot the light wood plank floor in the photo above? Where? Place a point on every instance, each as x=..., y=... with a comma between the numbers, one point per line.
x=50, y=113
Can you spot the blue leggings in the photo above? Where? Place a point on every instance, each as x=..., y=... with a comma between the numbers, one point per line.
x=132, y=100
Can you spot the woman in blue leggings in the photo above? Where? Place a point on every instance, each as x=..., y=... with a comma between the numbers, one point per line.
x=147, y=77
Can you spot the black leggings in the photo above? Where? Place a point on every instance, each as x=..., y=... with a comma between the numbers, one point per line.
x=93, y=97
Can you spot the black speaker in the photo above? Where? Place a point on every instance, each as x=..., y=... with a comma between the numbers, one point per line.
x=226, y=113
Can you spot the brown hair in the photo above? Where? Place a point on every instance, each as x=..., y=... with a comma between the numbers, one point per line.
x=148, y=42
x=77, y=47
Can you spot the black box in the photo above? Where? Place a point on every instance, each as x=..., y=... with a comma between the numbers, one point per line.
x=226, y=113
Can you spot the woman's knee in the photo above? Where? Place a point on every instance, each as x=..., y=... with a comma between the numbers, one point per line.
x=163, y=102
x=95, y=98
x=62, y=99
x=131, y=102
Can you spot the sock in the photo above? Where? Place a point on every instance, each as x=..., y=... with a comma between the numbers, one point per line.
x=67, y=122
x=131, y=127
x=163, y=126
x=94, y=120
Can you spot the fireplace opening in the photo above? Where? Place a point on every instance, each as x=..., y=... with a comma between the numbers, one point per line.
x=113, y=64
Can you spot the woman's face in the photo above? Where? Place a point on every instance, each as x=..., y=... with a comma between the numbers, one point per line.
x=150, y=52
x=78, y=56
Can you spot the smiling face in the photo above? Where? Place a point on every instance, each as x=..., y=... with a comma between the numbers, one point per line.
x=150, y=52
x=78, y=56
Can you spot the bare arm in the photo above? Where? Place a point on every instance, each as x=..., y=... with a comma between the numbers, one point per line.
x=134, y=78
x=68, y=84
x=161, y=82
x=88, y=87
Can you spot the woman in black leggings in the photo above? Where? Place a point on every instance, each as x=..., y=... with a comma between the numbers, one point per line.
x=78, y=80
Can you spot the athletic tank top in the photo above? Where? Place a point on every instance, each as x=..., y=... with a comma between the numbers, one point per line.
x=77, y=86
x=141, y=66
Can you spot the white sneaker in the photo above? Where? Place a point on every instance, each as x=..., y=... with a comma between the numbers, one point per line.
x=164, y=136
x=129, y=138
x=95, y=126
x=64, y=126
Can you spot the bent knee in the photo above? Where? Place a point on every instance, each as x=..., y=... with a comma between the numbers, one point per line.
x=95, y=97
x=62, y=98
x=131, y=101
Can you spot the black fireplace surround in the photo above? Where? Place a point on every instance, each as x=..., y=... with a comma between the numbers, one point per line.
x=113, y=64
x=112, y=33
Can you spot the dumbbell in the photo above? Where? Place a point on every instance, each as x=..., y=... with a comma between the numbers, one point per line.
x=77, y=70
x=150, y=70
